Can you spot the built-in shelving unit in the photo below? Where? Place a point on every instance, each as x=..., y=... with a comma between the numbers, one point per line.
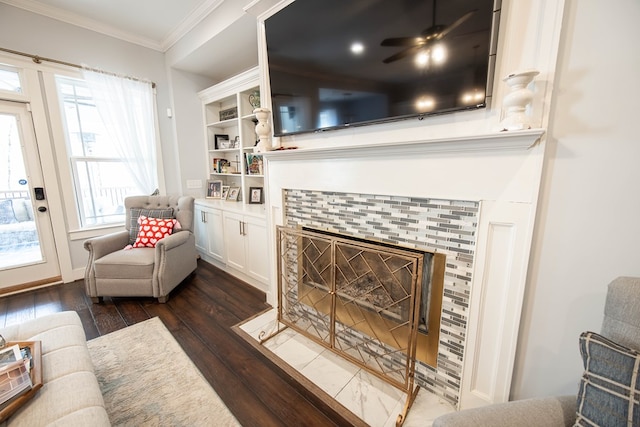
x=230, y=135
x=233, y=235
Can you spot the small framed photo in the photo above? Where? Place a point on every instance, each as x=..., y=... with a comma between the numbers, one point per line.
x=222, y=141
x=255, y=195
x=234, y=193
x=214, y=189
x=225, y=192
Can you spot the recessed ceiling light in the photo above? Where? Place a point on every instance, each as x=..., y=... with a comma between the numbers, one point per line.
x=357, y=48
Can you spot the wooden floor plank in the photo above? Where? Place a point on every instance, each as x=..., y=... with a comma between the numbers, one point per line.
x=199, y=314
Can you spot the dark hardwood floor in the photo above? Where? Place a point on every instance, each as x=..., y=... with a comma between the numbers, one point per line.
x=199, y=314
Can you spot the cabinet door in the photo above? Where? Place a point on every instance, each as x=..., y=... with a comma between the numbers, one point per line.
x=215, y=234
x=257, y=251
x=234, y=240
x=200, y=229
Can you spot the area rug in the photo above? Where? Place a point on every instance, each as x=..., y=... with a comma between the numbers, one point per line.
x=148, y=380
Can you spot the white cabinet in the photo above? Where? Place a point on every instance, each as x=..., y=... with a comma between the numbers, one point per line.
x=230, y=135
x=209, y=232
x=234, y=237
x=246, y=244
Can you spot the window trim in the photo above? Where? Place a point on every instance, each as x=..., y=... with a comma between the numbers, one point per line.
x=65, y=170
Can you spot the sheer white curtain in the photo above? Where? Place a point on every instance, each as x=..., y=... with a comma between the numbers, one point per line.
x=126, y=107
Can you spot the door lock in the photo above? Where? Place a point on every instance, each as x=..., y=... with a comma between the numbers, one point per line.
x=39, y=192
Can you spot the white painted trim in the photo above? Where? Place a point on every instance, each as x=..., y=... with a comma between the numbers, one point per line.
x=502, y=250
x=180, y=30
x=84, y=22
x=229, y=87
x=514, y=140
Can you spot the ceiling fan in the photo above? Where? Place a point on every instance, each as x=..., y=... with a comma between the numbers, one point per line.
x=426, y=38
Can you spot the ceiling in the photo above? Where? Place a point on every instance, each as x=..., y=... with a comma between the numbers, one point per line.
x=158, y=24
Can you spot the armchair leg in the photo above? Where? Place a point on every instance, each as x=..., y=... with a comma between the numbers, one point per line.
x=164, y=299
x=96, y=300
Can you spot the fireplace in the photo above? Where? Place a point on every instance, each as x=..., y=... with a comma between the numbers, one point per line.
x=469, y=199
x=369, y=301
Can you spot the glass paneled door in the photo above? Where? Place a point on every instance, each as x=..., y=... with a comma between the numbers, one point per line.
x=27, y=248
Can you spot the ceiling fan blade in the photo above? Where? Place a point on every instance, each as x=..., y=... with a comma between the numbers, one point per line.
x=402, y=54
x=456, y=23
x=402, y=41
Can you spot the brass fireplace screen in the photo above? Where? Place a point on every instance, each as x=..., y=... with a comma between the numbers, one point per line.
x=362, y=300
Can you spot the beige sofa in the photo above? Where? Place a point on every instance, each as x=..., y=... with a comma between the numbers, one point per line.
x=70, y=395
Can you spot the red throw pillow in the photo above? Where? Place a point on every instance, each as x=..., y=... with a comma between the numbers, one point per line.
x=152, y=230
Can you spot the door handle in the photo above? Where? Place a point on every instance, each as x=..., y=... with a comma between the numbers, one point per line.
x=42, y=209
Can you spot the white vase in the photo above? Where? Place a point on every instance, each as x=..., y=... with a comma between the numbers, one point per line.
x=516, y=101
x=263, y=130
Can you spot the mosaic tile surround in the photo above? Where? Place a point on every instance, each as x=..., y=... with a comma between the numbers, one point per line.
x=443, y=226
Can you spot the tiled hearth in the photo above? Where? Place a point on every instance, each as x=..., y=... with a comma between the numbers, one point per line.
x=374, y=401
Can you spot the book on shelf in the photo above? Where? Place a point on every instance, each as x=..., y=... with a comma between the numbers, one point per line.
x=219, y=164
x=14, y=374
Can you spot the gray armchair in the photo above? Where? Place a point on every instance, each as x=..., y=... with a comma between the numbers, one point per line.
x=113, y=270
x=621, y=325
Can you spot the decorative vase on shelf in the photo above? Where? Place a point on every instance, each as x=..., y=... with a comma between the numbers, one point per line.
x=263, y=130
x=516, y=101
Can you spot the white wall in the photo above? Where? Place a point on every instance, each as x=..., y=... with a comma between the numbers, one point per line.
x=588, y=231
x=36, y=34
x=189, y=127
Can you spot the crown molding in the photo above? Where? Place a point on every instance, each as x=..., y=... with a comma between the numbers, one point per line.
x=186, y=25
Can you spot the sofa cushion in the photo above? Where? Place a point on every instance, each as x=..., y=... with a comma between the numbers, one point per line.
x=70, y=395
x=126, y=264
x=135, y=213
x=609, y=389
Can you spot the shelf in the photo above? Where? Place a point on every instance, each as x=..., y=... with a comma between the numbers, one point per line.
x=223, y=123
x=223, y=150
x=232, y=94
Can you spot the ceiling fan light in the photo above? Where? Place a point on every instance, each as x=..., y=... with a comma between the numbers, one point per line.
x=439, y=54
x=422, y=59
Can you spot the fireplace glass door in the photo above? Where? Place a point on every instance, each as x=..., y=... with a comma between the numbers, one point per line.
x=357, y=298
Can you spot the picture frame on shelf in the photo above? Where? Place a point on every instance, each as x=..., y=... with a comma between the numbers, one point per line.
x=254, y=164
x=255, y=195
x=234, y=194
x=221, y=141
x=225, y=192
x=229, y=113
x=214, y=189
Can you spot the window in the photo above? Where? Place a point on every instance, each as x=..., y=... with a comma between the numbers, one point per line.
x=10, y=79
x=101, y=171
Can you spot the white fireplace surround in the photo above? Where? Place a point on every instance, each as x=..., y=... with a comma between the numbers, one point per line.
x=501, y=171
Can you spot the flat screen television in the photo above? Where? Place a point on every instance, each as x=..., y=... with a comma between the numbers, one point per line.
x=339, y=63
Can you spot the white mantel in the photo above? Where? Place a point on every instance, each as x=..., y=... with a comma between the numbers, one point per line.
x=501, y=171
